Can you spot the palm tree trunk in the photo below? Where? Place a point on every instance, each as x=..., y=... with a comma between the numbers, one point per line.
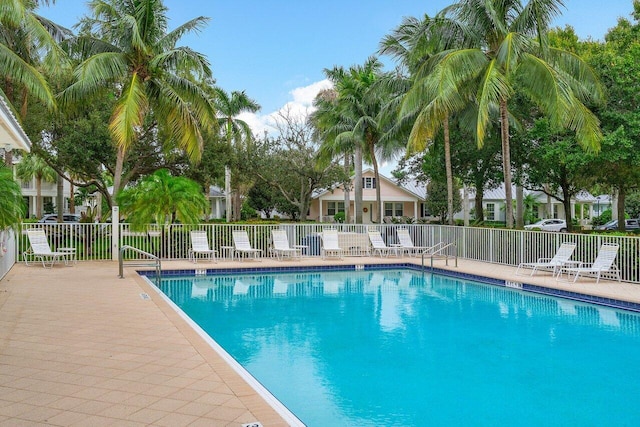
x=519, y=207
x=622, y=195
x=227, y=191
x=376, y=173
x=117, y=175
x=506, y=161
x=358, y=183
x=347, y=189
x=60, y=198
x=449, y=172
x=39, y=197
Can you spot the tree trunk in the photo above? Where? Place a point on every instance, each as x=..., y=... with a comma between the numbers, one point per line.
x=72, y=199
x=8, y=157
x=449, y=172
x=478, y=205
x=622, y=195
x=506, y=161
x=60, y=198
x=117, y=175
x=568, y=214
x=227, y=191
x=519, y=207
x=358, y=183
x=347, y=189
x=38, y=197
x=376, y=173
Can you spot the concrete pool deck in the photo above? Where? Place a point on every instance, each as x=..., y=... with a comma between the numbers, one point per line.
x=79, y=346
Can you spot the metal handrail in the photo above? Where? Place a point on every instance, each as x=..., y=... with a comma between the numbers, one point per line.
x=433, y=253
x=154, y=261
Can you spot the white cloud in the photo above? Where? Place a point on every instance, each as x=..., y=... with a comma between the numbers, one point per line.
x=301, y=106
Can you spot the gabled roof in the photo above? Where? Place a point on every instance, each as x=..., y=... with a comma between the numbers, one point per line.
x=215, y=192
x=12, y=135
x=415, y=188
x=499, y=193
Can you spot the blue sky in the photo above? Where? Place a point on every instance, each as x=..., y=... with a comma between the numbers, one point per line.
x=276, y=50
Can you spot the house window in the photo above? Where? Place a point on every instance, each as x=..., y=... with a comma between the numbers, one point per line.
x=368, y=182
x=334, y=207
x=555, y=211
x=393, y=209
x=491, y=212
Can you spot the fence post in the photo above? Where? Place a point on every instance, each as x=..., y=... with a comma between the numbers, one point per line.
x=115, y=232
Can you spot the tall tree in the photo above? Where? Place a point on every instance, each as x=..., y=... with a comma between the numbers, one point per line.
x=33, y=166
x=27, y=39
x=506, y=51
x=361, y=121
x=127, y=48
x=233, y=130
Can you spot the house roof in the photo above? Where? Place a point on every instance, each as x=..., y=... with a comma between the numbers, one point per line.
x=12, y=135
x=415, y=188
x=215, y=192
x=499, y=193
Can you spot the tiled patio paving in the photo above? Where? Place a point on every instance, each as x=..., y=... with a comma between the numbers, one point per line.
x=79, y=346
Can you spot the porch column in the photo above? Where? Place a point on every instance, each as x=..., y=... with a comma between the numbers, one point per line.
x=320, y=214
x=415, y=209
x=218, y=214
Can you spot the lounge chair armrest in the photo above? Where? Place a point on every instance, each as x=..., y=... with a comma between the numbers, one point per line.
x=544, y=259
x=572, y=264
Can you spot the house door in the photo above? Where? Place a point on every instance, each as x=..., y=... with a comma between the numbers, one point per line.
x=367, y=214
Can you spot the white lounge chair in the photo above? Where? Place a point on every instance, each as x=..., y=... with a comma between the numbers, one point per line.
x=281, y=245
x=40, y=249
x=559, y=260
x=602, y=265
x=242, y=246
x=330, y=244
x=200, y=246
x=407, y=244
x=380, y=246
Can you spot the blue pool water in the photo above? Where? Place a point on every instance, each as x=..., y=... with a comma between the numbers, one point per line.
x=403, y=348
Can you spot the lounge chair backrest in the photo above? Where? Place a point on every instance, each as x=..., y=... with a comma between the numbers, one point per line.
x=280, y=240
x=330, y=239
x=199, y=241
x=606, y=256
x=563, y=254
x=376, y=240
x=404, y=238
x=241, y=240
x=39, y=242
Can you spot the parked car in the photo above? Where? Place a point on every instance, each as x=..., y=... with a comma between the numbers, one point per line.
x=548, y=225
x=53, y=218
x=629, y=224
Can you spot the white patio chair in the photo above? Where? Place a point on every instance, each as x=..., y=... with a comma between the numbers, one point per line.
x=200, y=246
x=242, y=246
x=40, y=249
x=602, y=265
x=281, y=247
x=407, y=244
x=330, y=245
x=559, y=260
x=380, y=246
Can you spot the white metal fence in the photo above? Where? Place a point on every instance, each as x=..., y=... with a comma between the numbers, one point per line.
x=508, y=247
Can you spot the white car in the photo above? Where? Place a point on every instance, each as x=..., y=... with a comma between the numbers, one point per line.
x=548, y=225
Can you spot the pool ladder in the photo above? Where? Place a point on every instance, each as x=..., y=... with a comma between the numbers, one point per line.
x=152, y=261
x=437, y=251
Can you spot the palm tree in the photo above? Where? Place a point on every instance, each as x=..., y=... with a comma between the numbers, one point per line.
x=232, y=129
x=11, y=203
x=361, y=122
x=163, y=199
x=128, y=49
x=25, y=40
x=32, y=166
x=505, y=51
x=414, y=42
x=328, y=124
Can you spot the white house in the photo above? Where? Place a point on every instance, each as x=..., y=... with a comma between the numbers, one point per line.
x=405, y=200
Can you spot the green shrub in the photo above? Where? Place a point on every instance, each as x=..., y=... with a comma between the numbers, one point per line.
x=339, y=217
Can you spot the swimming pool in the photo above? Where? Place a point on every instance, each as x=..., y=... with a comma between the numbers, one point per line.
x=399, y=347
